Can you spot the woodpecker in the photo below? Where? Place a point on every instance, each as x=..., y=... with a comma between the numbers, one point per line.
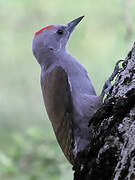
x=69, y=96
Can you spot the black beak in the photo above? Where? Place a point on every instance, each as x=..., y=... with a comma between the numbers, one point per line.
x=72, y=24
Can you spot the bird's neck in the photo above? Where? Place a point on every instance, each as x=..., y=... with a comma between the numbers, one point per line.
x=52, y=59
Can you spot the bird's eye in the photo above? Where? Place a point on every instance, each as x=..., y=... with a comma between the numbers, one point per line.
x=60, y=31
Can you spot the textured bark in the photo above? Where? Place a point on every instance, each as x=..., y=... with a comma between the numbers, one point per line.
x=111, y=152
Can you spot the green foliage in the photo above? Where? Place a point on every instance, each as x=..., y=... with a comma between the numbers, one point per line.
x=30, y=156
x=28, y=148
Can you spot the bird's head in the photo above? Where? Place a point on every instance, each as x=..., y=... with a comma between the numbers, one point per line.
x=52, y=39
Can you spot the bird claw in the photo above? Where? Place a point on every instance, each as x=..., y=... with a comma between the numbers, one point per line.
x=108, y=85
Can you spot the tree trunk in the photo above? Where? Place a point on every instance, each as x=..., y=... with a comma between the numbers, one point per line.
x=111, y=152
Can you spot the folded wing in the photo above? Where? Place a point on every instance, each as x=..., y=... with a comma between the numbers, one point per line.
x=58, y=102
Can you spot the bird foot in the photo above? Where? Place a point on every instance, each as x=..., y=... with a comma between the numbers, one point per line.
x=107, y=86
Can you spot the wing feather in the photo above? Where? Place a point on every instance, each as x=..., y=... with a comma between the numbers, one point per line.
x=58, y=101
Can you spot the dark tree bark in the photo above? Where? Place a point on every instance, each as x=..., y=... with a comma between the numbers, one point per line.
x=111, y=152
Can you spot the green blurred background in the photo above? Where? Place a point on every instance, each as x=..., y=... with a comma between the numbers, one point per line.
x=28, y=148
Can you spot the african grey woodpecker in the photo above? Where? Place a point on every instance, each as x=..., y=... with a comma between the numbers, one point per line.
x=69, y=96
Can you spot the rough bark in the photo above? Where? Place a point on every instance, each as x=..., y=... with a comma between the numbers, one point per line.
x=111, y=152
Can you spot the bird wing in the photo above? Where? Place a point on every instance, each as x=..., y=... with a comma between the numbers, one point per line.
x=58, y=102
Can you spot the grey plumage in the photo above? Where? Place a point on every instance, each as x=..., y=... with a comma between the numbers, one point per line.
x=69, y=95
